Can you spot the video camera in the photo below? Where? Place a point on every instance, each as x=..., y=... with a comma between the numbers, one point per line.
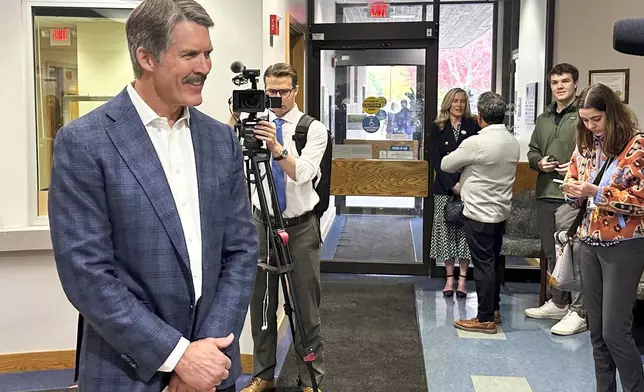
x=251, y=101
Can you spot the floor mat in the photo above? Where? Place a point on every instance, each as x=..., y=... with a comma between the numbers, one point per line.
x=371, y=339
x=376, y=238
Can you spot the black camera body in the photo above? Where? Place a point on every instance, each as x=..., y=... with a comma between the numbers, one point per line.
x=254, y=101
x=251, y=101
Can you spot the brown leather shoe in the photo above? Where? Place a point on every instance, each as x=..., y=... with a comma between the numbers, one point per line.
x=258, y=385
x=310, y=389
x=474, y=325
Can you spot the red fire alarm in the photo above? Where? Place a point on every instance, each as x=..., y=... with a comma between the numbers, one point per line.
x=275, y=25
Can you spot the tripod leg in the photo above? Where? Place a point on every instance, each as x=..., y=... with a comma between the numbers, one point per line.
x=263, y=315
x=305, y=354
x=305, y=279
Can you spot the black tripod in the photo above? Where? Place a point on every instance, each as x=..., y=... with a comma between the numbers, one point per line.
x=283, y=264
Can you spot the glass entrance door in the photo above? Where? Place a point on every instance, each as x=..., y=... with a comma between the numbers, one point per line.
x=373, y=101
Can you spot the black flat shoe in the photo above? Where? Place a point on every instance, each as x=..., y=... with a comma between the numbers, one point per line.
x=448, y=293
x=461, y=294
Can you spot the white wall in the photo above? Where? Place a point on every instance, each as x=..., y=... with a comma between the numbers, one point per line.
x=236, y=36
x=274, y=50
x=36, y=315
x=530, y=65
x=591, y=47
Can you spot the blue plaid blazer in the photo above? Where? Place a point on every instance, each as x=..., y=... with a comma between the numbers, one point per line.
x=120, y=249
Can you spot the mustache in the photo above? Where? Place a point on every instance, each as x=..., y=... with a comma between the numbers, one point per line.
x=195, y=78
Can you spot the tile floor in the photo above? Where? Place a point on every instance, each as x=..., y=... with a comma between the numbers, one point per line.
x=524, y=357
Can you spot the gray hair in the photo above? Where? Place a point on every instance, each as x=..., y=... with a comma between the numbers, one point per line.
x=150, y=26
x=491, y=108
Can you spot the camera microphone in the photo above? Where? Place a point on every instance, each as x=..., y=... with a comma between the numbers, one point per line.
x=628, y=36
x=237, y=67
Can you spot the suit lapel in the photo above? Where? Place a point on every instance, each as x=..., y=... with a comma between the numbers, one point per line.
x=448, y=134
x=204, y=147
x=135, y=147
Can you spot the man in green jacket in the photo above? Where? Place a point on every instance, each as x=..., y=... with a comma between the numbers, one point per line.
x=551, y=147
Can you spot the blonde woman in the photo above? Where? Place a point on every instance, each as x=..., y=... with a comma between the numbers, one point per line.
x=453, y=124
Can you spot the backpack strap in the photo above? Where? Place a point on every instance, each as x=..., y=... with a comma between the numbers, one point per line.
x=301, y=131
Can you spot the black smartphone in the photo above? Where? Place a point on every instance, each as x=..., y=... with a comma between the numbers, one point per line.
x=551, y=158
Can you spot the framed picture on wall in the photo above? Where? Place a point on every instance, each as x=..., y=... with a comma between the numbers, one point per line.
x=616, y=79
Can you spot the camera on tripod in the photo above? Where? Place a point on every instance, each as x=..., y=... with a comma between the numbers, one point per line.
x=251, y=101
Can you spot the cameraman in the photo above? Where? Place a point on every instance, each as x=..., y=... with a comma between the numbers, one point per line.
x=294, y=175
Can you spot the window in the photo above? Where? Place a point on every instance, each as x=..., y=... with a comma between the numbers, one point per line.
x=465, y=49
x=81, y=60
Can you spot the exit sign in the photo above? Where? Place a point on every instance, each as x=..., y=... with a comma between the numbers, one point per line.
x=59, y=37
x=379, y=10
x=59, y=34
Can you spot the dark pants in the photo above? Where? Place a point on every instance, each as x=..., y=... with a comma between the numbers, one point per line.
x=304, y=246
x=609, y=277
x=484, y=240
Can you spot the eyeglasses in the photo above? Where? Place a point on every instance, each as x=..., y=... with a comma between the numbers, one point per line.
x=281, y=93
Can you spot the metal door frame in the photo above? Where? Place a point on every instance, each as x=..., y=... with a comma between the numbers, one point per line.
x=412, y=35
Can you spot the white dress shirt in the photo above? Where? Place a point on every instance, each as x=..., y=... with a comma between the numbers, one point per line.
x=176, y=153
x=300, y=195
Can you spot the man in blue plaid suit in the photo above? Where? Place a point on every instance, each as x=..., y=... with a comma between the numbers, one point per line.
x=150, y=220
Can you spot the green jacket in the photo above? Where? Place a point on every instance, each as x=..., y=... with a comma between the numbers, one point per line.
x=549, y=138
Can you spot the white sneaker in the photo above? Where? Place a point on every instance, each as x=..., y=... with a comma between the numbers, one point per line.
x=547, y=311
x=570, y=325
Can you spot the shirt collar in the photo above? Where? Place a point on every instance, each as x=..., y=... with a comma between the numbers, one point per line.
x=494, y=127
x=553, y=107
x=145, y=111
x=291, y=117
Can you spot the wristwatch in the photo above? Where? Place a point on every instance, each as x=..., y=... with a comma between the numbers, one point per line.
x=283, y=154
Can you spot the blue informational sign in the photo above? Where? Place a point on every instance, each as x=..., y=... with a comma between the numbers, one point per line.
x=400, y=148
x=381, y=115
x=371, y=124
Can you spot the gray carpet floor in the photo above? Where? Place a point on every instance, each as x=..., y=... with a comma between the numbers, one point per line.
x=371, y=339
x=376, y=238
